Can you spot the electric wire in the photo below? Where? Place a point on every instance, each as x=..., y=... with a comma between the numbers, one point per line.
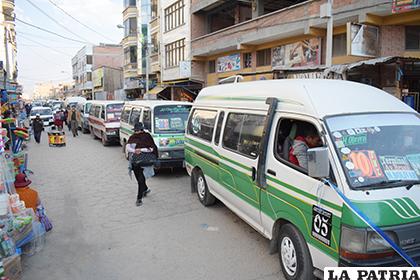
x=42, y=45
x=54, y=20
x=81, y=23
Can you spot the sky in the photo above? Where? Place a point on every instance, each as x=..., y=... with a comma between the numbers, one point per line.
x=44, y=57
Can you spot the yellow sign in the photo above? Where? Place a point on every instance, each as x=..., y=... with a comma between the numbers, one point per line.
x=98, y=77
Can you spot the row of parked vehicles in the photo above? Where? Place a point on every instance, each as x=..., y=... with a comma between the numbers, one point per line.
x=237, y=141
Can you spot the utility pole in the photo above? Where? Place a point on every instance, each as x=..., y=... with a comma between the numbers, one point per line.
x=330, y=33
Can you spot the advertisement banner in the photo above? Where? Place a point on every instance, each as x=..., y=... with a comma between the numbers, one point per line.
x=98, y=76
x=399, y=6
x=363, y=40
x=229, y=63
x=303, y=53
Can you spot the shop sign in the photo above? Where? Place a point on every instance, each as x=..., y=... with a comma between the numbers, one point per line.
x=363, y=41
x=229, y=63
x=315, y=75
x=98, y=77
x=185, y=69
x=399, y=6
x=303, y=53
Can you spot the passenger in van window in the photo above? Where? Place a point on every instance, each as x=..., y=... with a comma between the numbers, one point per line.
x=141, y=142
x=308, y=138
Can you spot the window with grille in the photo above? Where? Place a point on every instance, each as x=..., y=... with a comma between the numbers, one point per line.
x=174, y=53
x=247, y=60
x=412, y=37
x=264, y=57
x=212, y=66
x=174, y=15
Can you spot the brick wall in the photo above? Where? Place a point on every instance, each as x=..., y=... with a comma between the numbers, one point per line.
x=392, y=40
x=108, y=56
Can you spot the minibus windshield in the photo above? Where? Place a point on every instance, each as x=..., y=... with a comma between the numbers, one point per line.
x=41, y=112
x=171, y=118
x=378, y=150
x=113, y=112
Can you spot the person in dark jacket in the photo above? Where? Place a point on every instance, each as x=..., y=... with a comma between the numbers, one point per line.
x=37, y=127
x=141, y=142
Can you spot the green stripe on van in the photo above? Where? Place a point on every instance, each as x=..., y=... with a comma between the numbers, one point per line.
x=295, y=189
x=274, y=203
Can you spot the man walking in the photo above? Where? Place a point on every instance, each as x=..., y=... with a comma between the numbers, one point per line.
x=74, y=119
x=37, y=127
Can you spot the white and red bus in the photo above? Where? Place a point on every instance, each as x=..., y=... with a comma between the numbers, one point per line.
x=104, y=120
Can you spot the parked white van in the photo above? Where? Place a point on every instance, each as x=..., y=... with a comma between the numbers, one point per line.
x=361, y=143
x=104, y=120
x=165, y=120
x=84, y=109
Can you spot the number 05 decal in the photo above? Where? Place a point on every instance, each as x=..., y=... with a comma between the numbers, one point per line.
x=321, y=225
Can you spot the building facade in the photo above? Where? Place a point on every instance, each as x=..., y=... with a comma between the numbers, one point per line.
x=375, y=42
x=82, y=71
x=130, y=46
x=8, y=47
x=107, y=80
x=90, y=58
x=176, y=55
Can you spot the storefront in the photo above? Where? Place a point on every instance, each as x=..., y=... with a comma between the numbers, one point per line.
x=399, y=76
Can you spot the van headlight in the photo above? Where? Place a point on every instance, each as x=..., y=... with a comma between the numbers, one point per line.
x=363, y=244
x=164, y=155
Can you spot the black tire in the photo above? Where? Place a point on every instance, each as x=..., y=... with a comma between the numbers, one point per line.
x=290, y=237
x=203, y=194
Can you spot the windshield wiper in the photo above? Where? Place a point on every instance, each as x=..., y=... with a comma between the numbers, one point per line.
x=393, y=184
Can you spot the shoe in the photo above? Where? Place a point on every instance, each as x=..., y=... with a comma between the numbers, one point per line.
x=139, y=202
x=146, y=192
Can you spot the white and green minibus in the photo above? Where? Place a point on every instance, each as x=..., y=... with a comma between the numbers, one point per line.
x=165, y=120
x=240, y=149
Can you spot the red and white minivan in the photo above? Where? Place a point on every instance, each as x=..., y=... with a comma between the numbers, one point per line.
x=104, y=120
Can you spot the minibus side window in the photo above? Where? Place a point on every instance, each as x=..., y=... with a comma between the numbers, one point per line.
x=293, y=139
x=219, y=128
x=201, y=124
x=147, y=121
x=125, y=114
x=97, y=111
x=135, y=116
x=243, y=133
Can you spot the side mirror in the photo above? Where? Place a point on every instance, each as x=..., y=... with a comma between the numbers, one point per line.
x=318, y=162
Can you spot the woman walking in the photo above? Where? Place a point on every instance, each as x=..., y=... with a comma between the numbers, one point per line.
x=141, y=142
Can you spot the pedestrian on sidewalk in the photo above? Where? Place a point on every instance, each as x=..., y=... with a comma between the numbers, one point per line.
x=37, y=128
x=66, y=116
x=141, y=142
x=74, y=119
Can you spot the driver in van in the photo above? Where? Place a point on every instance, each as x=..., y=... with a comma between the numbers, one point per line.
x=309, y=138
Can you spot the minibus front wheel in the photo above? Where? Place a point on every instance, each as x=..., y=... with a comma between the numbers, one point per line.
x=205, y=197
x=295, y=259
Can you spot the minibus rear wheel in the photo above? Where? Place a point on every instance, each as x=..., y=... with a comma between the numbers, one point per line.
x=205, y=197
x=295, y=259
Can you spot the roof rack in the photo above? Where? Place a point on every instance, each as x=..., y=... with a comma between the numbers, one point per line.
x=231, y=80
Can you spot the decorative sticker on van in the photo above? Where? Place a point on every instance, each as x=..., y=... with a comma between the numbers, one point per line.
x=398, y=168
x=352, y=140
x=321, y=225
x=170, y=142
x=366, y=162
x=414, y=160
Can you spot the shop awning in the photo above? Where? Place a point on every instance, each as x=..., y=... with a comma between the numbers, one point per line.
x=156, y=90
x=340, y=69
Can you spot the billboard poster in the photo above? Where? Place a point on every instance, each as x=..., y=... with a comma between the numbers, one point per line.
x=229, y=63
x=363, y=40
x=399, y=6
x=303, y=53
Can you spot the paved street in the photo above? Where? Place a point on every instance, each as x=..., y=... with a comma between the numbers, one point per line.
x=100, y=234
